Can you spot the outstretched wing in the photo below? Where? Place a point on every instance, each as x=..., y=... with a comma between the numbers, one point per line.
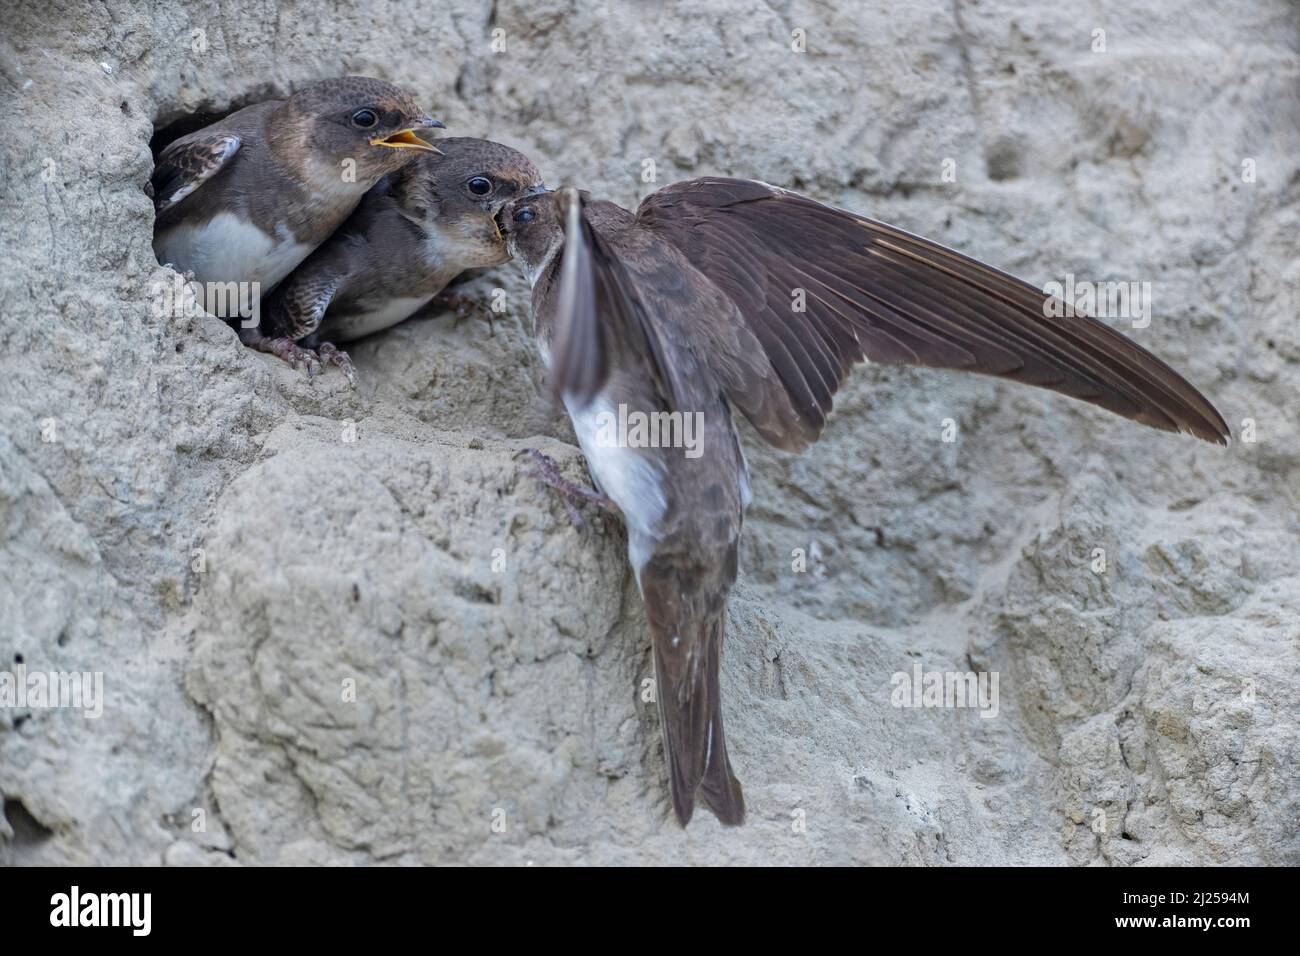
x=188, y=163
x=870, y=291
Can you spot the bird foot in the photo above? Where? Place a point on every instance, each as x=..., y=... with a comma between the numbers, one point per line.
x=297, y=355
x=464, y=307
x=548, y=472
x=283, y=348
x=331, y=354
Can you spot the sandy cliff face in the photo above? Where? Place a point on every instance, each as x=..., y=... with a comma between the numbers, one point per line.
x=344, y=626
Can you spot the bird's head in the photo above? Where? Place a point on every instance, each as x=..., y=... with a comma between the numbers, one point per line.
x=364, y=127
x=533, y=226
x=455, y=197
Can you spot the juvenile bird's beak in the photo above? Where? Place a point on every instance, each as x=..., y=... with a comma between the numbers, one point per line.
x=406, y=138
x=496, y=221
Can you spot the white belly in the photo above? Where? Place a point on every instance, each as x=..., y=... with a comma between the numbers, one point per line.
x=229, y=249
x=389, y=313
x=632, y=477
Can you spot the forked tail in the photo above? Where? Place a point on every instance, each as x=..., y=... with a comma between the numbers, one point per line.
x=688, y=659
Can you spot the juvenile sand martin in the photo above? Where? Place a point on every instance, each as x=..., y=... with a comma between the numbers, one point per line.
x=686, y=306
x=414, y=232
x=246, y=199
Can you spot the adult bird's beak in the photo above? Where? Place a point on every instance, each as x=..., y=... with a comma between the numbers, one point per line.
x=406, y=138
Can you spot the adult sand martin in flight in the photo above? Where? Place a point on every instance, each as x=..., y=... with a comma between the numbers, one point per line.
x=414, y=232
x=246, y=199
x=686, y=306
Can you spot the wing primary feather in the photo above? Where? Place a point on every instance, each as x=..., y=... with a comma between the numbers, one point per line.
x=877, y=292
x=579, y=360
x=599, y=312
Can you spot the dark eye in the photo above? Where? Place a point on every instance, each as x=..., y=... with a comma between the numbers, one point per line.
x=364, y=119
x=525, y=215
x=480, y=185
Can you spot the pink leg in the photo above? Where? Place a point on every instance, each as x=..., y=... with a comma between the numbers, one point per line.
x=548, y=471
x=284, y=348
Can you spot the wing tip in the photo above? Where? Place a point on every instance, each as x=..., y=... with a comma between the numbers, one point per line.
x=1182, y=421
x=1218, y=435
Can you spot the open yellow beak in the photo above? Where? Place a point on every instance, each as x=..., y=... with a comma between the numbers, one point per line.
x=406, y=139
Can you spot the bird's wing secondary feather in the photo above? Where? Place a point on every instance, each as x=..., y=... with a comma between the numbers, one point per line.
x=304, y=298
x=188, y=163
x=871, y=292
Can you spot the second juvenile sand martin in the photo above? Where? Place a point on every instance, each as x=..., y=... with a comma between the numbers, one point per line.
x=414, y=232
x=687, y=306
x=246, y=199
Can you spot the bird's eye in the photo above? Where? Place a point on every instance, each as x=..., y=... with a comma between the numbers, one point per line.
x=480, y=185
x=364, y=119
x=525, y=215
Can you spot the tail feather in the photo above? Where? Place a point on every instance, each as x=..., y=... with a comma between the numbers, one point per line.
x=688, y=658
x=720, y=788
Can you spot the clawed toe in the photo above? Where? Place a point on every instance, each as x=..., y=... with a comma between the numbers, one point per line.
x=547, y=470
x=463, y=307
x=284, y=348
x=300, y=356
x=334, y=355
